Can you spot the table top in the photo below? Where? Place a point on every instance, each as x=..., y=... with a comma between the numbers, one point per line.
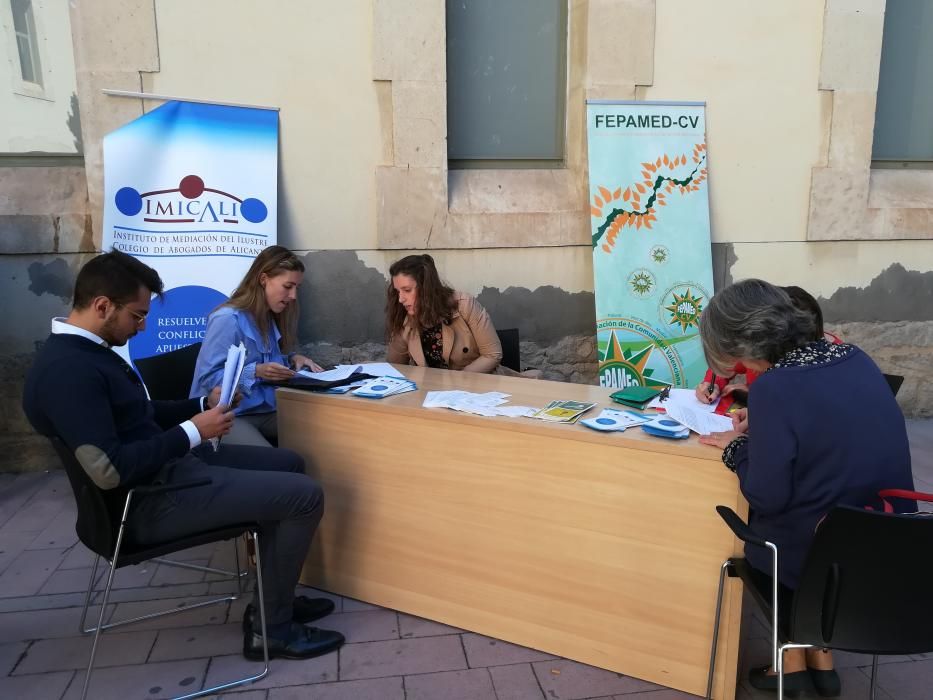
x=523, y=392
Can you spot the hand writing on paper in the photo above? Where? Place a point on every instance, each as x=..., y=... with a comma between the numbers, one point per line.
x=274, y=372
x=213, y=422
x=300, y=362
x=706, y=392
x=719, y=440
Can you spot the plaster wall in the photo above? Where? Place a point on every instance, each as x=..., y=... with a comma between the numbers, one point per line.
x=33, y=118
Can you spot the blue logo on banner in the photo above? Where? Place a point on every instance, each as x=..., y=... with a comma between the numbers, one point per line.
x=197, y=203
x=176, y=322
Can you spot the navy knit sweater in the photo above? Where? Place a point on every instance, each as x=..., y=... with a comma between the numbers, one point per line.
x=88, y=396
x=824, y=429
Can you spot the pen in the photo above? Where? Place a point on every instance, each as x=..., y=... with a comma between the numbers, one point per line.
x=712, y=383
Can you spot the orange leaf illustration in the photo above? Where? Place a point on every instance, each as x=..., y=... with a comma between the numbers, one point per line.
x=596, y=212
x=638, y=223
x=645, y=174
x=607, y=195
x=599, y=202
x=627, y=193
x=662, y=203
x=647, y=223
x=666, y=160
x=607, y=248
x=617, y=193
x=639, y=187
x=658, y=162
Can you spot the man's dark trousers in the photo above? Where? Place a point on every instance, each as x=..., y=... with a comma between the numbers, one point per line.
x=261, y=484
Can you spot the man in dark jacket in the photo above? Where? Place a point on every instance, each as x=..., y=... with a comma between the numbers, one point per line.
x=81, y=391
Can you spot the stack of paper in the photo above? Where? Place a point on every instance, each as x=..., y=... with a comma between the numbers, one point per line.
x=233, y=368
x=611, y=420
x=562, y=411
x=384, y=386
x=699, y=420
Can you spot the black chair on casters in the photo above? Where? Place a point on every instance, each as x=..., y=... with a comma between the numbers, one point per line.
x=168, y=376
x=511, y=353
x=865, y=588
x=101, y=527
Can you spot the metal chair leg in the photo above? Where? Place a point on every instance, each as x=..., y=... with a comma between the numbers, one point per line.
x=87, y=598
x=874, y=676
x=265, y=639
x=712, y=654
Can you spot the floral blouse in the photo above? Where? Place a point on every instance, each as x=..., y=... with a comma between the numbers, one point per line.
x=432, y=344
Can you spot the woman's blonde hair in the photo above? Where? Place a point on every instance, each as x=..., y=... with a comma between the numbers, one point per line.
x=251, y=296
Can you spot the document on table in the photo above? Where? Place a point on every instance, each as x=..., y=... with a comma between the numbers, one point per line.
x=701, y=422
x=233, y=368
x=683, y=397
x=332, y=375
x=481, y=404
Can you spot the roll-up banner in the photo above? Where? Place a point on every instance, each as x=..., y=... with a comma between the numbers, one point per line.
x=649, y=207
x=191, y=189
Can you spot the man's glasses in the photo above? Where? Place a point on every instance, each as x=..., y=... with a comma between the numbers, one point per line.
x=138, y=315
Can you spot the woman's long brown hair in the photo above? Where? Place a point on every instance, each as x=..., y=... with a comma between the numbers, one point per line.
x=251, y=296
x=436, y=302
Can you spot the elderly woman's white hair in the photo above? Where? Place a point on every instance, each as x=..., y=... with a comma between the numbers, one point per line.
x=752, y=319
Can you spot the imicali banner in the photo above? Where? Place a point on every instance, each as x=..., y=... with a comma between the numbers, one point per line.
x=191, y=189
x=649, y=207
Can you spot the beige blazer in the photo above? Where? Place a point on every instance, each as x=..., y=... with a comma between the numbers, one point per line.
x=470, y=342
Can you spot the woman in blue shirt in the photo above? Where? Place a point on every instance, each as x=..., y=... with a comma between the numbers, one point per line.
x=822, y=428
x=262, y=313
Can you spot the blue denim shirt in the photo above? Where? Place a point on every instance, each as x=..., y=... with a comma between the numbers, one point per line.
x=229, y=326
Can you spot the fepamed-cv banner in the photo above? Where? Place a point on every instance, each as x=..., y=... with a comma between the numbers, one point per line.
x=191, y=190
x=652, y=265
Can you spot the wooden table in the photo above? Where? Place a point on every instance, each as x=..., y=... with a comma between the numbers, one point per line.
x=604, y=548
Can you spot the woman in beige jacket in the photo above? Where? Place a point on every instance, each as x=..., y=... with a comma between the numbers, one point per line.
x=429, y=324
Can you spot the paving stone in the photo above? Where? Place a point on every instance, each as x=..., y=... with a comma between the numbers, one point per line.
x=207, y=615
x=45, y=686
x=77, y=557
x=42, y=624
x=196, y=642
x=665, y=694
x=150, y=681
x=136, y=595
x=42, y=602
x=35, y=514
x=401, y=657
x=10, y=654
x=904, y=681
x=486, y=651
x=363, y=626
x=26, y=574
x=411, y=626
x=12, y=544
x=375, y=689
x=516, y=682
x=170, y=575
x=244, y=695
x=353, y=605
x=58, y=533
x=113, y=649
x=575, y=680
x=17, y=494
x=473, y=684
x=282, y=672
x=68, y=581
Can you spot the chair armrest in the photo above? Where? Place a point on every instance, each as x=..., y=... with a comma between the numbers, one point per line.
x=165, y=488
x=739, y=526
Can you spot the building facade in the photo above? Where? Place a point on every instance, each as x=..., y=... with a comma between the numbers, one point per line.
x=800, y=191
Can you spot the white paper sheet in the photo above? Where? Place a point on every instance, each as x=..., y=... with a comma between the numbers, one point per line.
x=701, y=422
x=233, y=368
x=331, y=375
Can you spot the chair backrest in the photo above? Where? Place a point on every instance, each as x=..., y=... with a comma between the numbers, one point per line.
x=511, y=354
x=865, y=586
x=99, y=511
x=894, y=381
x=168, y=376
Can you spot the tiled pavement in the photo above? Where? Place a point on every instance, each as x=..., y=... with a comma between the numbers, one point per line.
x=389, y=655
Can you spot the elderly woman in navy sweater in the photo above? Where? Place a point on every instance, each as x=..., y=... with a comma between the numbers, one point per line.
x=822, y=424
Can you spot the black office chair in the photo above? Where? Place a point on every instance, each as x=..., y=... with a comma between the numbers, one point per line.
x=101, y=527
x=865, y=587
x=511, y=353
x=168, y=376
x=894, y=381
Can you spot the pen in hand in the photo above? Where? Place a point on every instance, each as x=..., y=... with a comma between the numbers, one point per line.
x=712, y=385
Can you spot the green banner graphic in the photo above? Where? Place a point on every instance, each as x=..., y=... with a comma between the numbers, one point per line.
x=649, y=207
